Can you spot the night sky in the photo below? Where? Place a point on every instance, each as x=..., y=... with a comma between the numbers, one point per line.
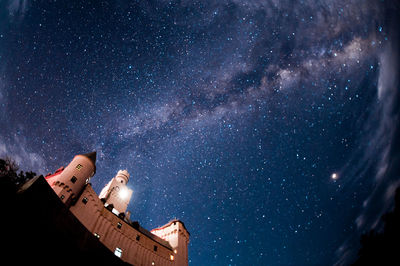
x=270, y=128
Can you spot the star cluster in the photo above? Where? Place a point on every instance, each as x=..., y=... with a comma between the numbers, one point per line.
x=266, y=126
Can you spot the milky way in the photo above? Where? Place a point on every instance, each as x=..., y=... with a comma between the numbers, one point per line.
x=230, y=115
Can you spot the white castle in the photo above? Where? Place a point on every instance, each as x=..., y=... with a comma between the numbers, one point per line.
x=106, y=216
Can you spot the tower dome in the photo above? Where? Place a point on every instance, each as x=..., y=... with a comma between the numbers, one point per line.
x=122, y=176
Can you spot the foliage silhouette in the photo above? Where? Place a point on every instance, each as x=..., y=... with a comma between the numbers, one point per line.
x=9, y=175
x=382, y=248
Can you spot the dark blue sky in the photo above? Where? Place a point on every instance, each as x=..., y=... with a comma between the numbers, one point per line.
x=230, y=115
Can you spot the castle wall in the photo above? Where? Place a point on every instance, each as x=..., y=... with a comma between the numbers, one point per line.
x=137, y=248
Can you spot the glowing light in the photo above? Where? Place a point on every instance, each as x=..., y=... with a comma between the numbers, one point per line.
x=123, y=193
x=334, y=176
x=171, y=257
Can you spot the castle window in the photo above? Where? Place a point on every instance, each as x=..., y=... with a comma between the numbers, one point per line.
x=119, y=225
x=138, y=237
x=171, y=257
x=153, y=263
x=79, y=167
x=62, y=197
x=155, y=248
x=85, y=200
x=97, y=235
x=73, y=179
x=118, y=252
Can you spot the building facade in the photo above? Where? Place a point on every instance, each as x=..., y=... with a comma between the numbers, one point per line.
x=106, y=217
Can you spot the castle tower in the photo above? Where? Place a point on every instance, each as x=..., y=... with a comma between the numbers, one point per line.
x=116, y=192
x=177, y=235
x=68, y=182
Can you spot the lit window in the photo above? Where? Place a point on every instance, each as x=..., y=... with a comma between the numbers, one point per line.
x=171, y=257
x=153, y=263
x=73, y=179
x=79, y=167
x=119, y=225
x=118, y=252
x=97, y=235
x=85, y=200
x=115, y=211
x=175, y=251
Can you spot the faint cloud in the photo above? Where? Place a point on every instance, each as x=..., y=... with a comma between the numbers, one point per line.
x=387, y=119
x=379, y=151
x=17, y=9
x=17, y=149
x=388, y=79
x=3, y=96
x=2, y=91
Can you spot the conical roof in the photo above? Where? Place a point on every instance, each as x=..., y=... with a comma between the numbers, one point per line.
x=91, y=156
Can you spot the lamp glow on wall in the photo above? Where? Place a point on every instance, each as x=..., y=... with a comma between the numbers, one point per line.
x=123, y=193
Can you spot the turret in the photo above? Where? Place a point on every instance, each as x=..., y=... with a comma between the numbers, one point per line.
x=117, y=193
x=177, y=236
x=68, y=182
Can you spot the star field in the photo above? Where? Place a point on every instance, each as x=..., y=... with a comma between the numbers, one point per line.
x=267, y=127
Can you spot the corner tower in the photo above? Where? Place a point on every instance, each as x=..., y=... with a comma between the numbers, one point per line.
x=177, y=236
x=68, y=182
x=116, y=192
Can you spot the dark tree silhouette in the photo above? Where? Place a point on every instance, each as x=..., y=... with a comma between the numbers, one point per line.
x=383, y=248
x=10, y=179
x=8, y=167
